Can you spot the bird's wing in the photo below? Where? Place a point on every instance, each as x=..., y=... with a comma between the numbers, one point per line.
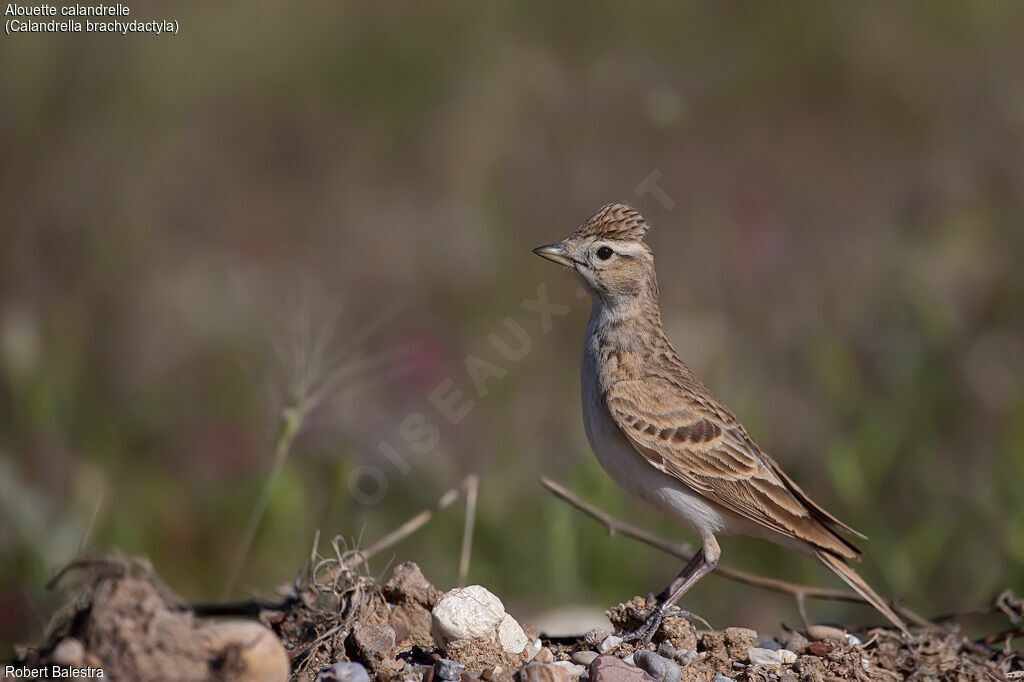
x=684, y=438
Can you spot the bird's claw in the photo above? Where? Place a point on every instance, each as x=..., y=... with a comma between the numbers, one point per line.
x=653, y=621
x=650, y=625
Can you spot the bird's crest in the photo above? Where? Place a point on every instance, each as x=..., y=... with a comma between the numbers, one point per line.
x=614, y=221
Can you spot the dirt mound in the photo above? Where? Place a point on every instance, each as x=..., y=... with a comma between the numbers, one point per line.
x=127, y=624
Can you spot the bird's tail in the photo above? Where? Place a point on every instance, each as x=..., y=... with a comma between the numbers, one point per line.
x=840, y=568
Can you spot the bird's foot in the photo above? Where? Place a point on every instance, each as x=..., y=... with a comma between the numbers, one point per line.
x=652, y=621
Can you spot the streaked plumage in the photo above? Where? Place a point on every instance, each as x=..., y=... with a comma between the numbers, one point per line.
x=659, y=432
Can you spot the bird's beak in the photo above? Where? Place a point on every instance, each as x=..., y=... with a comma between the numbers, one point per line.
x=556, y=253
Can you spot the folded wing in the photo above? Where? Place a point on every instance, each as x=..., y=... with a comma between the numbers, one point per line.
x=702, y=445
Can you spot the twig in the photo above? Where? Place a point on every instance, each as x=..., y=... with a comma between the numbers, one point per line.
x=292, y=418
x=801, y=608
x=685, y=552
x=92, y=522
x=472, y=485
x=1004, y=636
x=250, y=608
x=407, y=528
x=313, y=552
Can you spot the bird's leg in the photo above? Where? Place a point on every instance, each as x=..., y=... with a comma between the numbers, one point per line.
x=702, y=563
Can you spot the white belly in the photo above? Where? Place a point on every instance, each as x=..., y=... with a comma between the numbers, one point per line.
x=640, y=479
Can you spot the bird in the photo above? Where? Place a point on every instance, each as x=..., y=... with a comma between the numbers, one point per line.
x=661, y=434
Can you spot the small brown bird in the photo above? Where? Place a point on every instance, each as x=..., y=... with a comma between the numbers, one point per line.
x=658, y=431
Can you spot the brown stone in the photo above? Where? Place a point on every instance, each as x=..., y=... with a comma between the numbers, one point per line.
x=821, y=632
x=818, y=648
x=370, y=644
x=611, y=669
x=543, y=672
x=249, y=650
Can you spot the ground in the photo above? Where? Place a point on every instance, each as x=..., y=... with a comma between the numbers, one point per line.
x=123, y=620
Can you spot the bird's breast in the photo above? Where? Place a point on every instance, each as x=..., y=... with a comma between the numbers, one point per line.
x=632, y=471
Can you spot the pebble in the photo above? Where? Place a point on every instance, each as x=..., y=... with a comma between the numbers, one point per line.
x=610, y=643
x=544, y=656
x=796, y=642
x=666, y=649
x=511, y=636
x=543, y=672
x=532, y=649
x=768, y=642
x=611, y=669
x=660, y=668
x=466, y=613
x=818, y=649
x=853, y=640
x=448, y=669
x=343, y=672
x=584, y=657
x=371, y=642
x=69, y=652
x=686, y=656
x=596, y=636
x=722, y=678
x=788, y=677
x=820, y=632
x=758, y=656
x=629, y=660
x=261, y=654
x=574, y=671
x=787, y=656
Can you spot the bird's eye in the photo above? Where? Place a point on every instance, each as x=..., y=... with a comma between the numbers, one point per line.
x=604, y=253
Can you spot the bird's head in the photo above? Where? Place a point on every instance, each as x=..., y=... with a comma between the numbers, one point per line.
x=609, y=255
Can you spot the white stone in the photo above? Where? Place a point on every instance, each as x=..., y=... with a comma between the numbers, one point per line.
x=758, y=656
x=787, y=656
x=69, y=652
x=629, y=659
x=610, y=643
x=511, y=636
x=466, y=613
x=533, y=648
x=571, y=668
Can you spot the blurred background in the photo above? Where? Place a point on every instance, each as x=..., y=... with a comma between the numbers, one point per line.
x=330, y=209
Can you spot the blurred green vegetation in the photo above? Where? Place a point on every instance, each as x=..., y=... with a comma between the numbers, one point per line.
x=193, y=224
